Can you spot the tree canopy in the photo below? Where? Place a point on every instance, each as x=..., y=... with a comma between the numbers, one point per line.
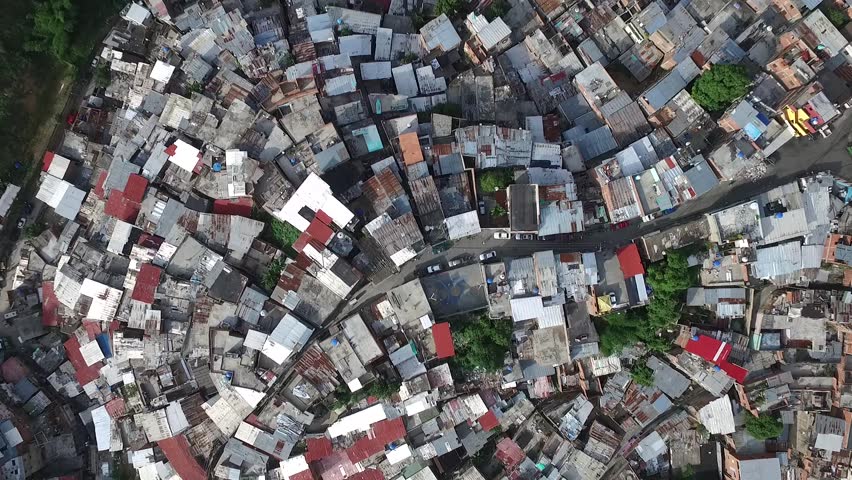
x=493, y=180
x=53, y=22
x=481, y=343
x=448, y=7
x=718, y=87
x=763, y=426
x=835, y=15
x=272, y=274
x=669, y=280
x=642, y=374
x=498, y=8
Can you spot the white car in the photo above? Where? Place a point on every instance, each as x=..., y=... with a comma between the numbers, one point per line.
x=502, y=235
x=487, y=255
x=433, y=268
x=454, y=263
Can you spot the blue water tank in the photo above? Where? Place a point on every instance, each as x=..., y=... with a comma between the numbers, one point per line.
x=335, y=342
x=217, y=167
x=779, y=215
x=695, y=338
x=716, y=368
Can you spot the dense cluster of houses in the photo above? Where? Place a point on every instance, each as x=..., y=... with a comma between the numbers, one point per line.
x=143, y=333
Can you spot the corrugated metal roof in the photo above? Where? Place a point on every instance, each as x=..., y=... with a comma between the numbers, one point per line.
x=493, y=33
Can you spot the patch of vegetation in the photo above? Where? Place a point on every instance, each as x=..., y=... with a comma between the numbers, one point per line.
x=451, y=109
x=481, y=343
x=717, y=88
x=642, y=374
x=280, y=234
x=408, y=58
x=53, y=22
x=763, y=426
x=494, y=180
x=344, y=31
x=498, y=211
x=272, y=274
x=380, y=389
x=449, y=7
x=103, y=75
x=498, y=8
x=418, y=19
x=669, y=280
x=34, y=229
x=686, y=473
x=196, y=87
x=835, y=15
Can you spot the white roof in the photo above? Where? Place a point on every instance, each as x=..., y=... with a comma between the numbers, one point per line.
x=356, y=45
x=120, y=236
x=186, y=156
x=293, y=466
x=552, y=316
x=289, y=335
x=358, y=421
x=176, y=417
x=315, y=194
x=91, y=353
x=463, y=225
x=340, y=85
x=651, y=446
x=384, y=40
x=162, y=71
x=60, y=195
x=439, y=32
x=398, y=454
x=103, y=427
x=718, y=417
x=255, y=339
x=526, y=308
x=494, y=33
x=137, y=14
x=7, y=198
x=375, y=70
x=405, y=80
x=58, y=166
x=105, y=300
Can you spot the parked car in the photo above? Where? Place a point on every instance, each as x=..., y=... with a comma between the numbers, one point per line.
x=22, y=222
x=454, y=263
x=487, y=255
x=613, y=300
x=433, y=268
x=482, y=207
x=524, y=236
x=619, y=225
x=501, y=235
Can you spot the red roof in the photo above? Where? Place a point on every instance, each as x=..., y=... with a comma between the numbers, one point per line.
x=317, y=448
x=49, y=305
x=241, y=206
x=115, y=407
x=150, y=241
x=319, y=231
x=135, y=188
x=180, y=457
x=323, y=217
x=99, y=186
x=13, y=370
x=93, y=328
x=381, y=434
x=120, y=207
x=716, y=352
x=709, y=348
x=147, y=282
x=171, y=150
x=47, y=160
x=303, y=475
x=368, y=474
x=509, y=453
x=443, y=340
x=631, y=263
x=85, y=373
x=488, y=421
x=300, y=242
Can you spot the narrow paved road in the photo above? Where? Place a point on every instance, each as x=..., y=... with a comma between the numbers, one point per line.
x=794, y=160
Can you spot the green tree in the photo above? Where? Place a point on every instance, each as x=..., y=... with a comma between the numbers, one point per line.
x=418, y=19
x=498, y=8
x=408, y=58
x=481, y=343
x=448, y=7
x=764, y=426
x=835, y=15
x=642, y=374
x=494, y=180
x=669, y=281
x=498, y=211
x=53, y=22
x=344, y=31
x=272, y=274
x=34, y=229
x=718, y=87
x=102, y=75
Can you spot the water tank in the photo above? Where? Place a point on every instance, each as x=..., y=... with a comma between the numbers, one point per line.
x=335, y=342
